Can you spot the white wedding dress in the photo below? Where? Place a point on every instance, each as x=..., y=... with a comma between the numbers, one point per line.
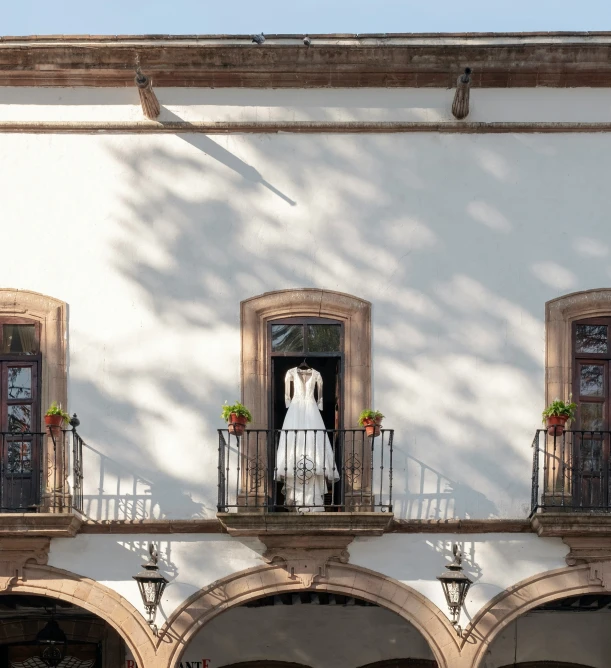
x=305, y=460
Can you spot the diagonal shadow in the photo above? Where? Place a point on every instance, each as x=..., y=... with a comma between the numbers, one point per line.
x=211, y=148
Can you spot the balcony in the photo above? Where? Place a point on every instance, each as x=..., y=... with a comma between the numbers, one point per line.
x=287, y=480
x=41, y=482
x=571, y=483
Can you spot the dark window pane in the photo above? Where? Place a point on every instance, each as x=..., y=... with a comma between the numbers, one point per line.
x=591, y=416
x=19, y=418
x=591, y=339
x=19, y=457
x=591, y=455
x=19, y=339
x=323, y=338
x=287, y=338
x=591, y=380
x=19, y=382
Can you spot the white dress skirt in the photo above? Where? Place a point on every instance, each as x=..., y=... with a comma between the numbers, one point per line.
x=305, y=460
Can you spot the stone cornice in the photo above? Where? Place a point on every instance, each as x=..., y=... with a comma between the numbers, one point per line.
x=296, y=127
x=345, y=61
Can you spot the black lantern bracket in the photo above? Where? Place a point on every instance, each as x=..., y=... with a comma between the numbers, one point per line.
x=455, y=585
x=151, y=584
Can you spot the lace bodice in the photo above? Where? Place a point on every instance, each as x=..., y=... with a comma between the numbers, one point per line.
x=304, y=383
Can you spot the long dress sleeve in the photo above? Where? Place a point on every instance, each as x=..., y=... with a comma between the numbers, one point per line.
x=319, y=388
x=287, y=389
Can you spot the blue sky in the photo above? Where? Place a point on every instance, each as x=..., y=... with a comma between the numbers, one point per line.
x=28, y=17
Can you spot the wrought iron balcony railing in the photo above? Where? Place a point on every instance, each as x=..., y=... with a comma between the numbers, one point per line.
x=571, y=471
x=35, y=468
x=303, y=470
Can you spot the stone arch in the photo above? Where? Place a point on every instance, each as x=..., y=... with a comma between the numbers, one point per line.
x=93, y=597
x=355, y=313
x=346, y=579
x=524, y=596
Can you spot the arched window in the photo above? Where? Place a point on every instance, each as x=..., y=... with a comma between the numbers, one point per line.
x=32, y=375
x=305, y=306
x=578, y=363
x=332, y=332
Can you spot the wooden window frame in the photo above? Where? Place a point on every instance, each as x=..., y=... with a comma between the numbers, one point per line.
x=304, y=321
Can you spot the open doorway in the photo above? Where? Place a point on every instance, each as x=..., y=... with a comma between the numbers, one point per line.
x=318, y=342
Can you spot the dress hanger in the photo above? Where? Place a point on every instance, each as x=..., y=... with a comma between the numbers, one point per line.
x=304, y=366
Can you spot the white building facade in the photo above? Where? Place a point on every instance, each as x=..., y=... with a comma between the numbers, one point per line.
x=295, y=202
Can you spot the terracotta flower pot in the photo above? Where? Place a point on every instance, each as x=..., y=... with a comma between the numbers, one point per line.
x=555, y=424
x=237, y=424
x=54, y=423
x=372, y=427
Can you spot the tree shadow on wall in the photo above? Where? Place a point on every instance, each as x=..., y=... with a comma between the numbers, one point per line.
x=458, y=349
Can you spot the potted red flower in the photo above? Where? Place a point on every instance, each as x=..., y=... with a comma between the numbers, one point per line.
x=372, y=421
x=55, y=417
x=237, y=417
x=557, y=414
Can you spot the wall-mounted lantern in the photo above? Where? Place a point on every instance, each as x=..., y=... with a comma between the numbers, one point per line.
x=52, y=641
x=455, y=586
x=151, y=584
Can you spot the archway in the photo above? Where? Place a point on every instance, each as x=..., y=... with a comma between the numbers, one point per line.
x=85, y=596
x=264, y=664
x=402, y=663
x=546, y=664
x=340, y=579
x=541, y=593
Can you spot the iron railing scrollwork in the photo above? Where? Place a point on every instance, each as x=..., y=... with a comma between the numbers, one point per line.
x=571, y=471
x=41, y=471
x=356, y=475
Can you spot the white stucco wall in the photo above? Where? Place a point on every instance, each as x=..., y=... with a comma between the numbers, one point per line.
x=363, y=104
x=192, y=562
x=457, y=240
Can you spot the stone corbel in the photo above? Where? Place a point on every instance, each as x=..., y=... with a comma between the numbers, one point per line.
x=148, y=99
x=460, y=106
x=15, y=553
x=305, y=558
x=588, y=550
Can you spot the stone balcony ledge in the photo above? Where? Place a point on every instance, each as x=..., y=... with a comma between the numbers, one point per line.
x=48, y=525
x=353, y=524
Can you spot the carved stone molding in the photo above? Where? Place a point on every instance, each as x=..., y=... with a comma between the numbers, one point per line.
x=16, y=552
x=305, y=558
x=353, y=312
x=588, y=549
